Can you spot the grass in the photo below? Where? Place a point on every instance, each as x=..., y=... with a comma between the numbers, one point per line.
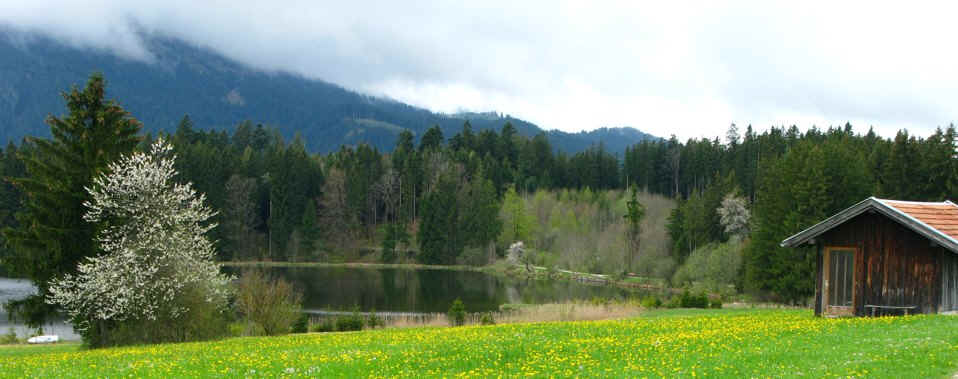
x=675, y=343
x=528, y=313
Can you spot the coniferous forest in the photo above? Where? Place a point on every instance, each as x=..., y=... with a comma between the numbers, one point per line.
x=464, y=198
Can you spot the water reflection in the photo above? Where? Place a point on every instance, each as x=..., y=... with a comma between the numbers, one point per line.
x=12, y=289
x=424, y=290
x=379, y=289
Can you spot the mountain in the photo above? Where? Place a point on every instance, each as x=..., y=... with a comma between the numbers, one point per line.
x=217, y=92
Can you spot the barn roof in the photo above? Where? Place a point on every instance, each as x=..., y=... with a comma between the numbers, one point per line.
x=936, y=221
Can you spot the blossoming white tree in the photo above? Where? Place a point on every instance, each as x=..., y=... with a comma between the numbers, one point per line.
x=156, y=259
x=734, y=216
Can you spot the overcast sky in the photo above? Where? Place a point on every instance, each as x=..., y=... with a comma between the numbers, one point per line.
x=689, y=70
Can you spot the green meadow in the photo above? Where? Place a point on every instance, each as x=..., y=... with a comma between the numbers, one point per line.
x=674, y=343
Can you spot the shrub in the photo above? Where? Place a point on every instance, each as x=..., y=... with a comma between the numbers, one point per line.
x=351, y=322
x=9, y=338
x=374, y=321
x=324, y=326
x=236, y=329
x=510, y=308
x=270, y=304
x=714, y=266
x=474, y=256
x=674, y=302
x=301, y=325
x=688, y=300
x=457, y=313
x=651, y=302
x=487, y=319
x=554, y=272
x=716, y=304
x=599, y=301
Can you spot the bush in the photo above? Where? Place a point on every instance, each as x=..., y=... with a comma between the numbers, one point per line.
x=9, y=338
x=236, y=329
x=325, y=326
x=674, y=302
x=202, y=321
x=651, y=302
x=474, y=256
x=688, y=300
x=301, y=325
x=716, y=304
x=714, y=266
x=599, y=301
x=374, y=321
x=487, y=319
x=510, y=307
x=457, y=313
x=270, y=304
x=350, y=323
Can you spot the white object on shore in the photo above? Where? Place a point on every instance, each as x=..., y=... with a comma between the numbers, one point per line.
x=44, y=339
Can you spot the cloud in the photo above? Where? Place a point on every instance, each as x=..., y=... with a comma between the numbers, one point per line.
x=663, y=67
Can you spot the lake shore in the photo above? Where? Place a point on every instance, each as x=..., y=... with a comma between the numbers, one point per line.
x=501, y=268
x=408, y=266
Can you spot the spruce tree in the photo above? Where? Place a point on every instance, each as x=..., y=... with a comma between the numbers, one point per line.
x=51, y=236
x=309, y=229
x=479, y=221
x=635, y=212
x=432, y=139
x=439, y=235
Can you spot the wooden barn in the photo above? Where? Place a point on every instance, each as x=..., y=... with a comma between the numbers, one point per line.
x=885, y=257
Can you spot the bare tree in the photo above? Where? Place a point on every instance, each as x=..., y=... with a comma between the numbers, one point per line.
x=333, y=209
x=240, y=219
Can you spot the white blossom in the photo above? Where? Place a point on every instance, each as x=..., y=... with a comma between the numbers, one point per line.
x=734, y=216
x=153, y=242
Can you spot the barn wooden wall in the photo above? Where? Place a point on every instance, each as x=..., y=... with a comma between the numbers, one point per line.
x=894, y=265
x=949, y=282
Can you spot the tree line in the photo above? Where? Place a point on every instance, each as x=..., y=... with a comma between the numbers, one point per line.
x=790, y=180
x=441, y=200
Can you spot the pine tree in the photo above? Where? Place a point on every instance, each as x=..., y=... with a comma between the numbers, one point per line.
x=479, y=220
x=439, y=236
x=309, y=229
x=809, y=183
x=51, y=236
x=432, y=140
x=634, y=214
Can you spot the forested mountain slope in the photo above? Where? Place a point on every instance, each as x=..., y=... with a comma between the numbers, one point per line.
x=217, y=92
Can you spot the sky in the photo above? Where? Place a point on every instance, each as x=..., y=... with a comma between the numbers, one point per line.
x=682, y=68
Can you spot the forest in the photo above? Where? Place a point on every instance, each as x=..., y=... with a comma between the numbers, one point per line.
x=463, y=199
x=159, y=93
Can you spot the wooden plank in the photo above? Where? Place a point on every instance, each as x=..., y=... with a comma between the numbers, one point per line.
x=819, y=272
x=894, y=266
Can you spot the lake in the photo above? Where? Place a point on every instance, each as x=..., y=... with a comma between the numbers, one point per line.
x=393, y=290
x=424, y=290
x=12, y=289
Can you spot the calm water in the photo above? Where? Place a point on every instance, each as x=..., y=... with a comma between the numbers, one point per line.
x=11, y=289
x=379, y=289
x=423, y=290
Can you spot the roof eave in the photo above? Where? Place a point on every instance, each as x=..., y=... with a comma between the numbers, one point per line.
x=829, y=223
x=877, y=204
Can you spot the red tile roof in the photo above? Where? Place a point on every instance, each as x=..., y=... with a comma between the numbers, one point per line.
x=941, y=216
x=936, y=221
